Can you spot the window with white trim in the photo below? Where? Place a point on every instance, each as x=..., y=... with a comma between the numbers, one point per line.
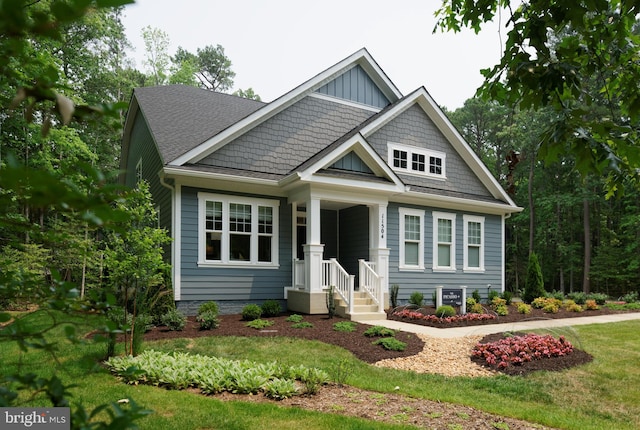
x=416, y=161
x=444, y=241
x=473, y=243
x=237, y=230
x=411, y=239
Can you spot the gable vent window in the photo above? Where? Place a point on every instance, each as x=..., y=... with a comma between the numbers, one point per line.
x=237, y=231
x=423, y=162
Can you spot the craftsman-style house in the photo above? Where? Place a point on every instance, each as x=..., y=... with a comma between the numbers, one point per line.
x=342, y=182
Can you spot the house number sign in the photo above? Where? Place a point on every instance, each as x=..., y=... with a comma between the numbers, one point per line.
x=382, y=226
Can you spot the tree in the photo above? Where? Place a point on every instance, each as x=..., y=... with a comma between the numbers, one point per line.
x=156, y=43
x=568, y=56
x=534, y=285
x=247, y=94
x=212, y=67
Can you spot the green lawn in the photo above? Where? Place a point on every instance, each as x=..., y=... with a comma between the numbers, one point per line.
x=604, y=394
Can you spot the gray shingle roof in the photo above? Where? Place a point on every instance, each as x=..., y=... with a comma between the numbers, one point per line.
x=182, y=117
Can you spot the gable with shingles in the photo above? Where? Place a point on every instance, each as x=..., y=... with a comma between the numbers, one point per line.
x=413, y=127
x=288, y=139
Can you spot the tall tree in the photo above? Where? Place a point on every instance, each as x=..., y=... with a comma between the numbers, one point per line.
x=212, y=67
x=157, y=59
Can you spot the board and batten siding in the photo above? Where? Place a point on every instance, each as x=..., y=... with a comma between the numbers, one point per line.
x=425, y=281
x=231, y=284
x=353, y=237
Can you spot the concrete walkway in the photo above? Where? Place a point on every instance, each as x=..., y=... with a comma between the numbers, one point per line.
x=498, y=328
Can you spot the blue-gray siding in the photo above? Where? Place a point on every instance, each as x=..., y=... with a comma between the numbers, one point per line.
x=426, y=280
x=356, y=86
x=352, y=163
x=243, y=284
x=414, y=128
x=354, y=237
x=290, y=138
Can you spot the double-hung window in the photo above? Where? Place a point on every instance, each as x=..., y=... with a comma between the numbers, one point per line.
x=473, y=243
x=411, y=239
x=418, y=161
x=444, y=241
x=237, y=231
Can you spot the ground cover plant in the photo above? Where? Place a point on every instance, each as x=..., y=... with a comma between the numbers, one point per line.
x=516, y=350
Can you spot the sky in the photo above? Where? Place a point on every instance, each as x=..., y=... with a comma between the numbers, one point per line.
x=276, y=45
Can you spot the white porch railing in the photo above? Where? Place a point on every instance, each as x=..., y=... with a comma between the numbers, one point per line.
x=298, y=274
x=370, y=283
x=334, y=274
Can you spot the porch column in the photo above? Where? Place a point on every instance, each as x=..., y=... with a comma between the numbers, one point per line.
x=313, y=249
x=379, y=253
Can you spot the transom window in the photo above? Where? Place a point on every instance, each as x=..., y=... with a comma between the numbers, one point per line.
x=417, y=161
x=444, y=241
x=411, y=239
x=237, y=230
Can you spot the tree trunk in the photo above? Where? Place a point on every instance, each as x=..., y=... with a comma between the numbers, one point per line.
x=586, y=280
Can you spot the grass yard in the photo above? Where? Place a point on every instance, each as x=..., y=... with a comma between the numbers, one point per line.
x=604, y=394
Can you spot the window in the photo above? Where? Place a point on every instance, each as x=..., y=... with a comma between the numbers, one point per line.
x=237, y=230
x=399, y=156
x=411, y=239
x=473, y=243
x=444, y=241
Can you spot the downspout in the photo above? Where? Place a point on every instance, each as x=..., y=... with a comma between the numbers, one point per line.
x=504, y=251
x=174, y=273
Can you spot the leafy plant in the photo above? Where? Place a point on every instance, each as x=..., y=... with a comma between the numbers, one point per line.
x=208, y=307
x=331, y=301
x=416, y=298
x=599, y=298
x=524, y=308
x=295, y=318
x=630, y=297
x=271, y=308
x=174, y=320
x=476, y=308
x=393, y=295
x=341, y=370
x=501, y=310
x=445, y=311
x=345, y=326
x=379, y=331
x=414, y=315
x=492, y=295
x=251, y=312
x=534, y=284
x=591, y=305
x=391, y=344
x=516, y=350
x=507, y=296
x=280, y=389
x=208, y=320
x=312, y=379
x=302, y=324
x=470, y=302
x=476, y=296
x=259, y=324
x=578, y=297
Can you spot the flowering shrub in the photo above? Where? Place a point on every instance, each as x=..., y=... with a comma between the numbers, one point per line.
x=521, y=349
x=414, y=315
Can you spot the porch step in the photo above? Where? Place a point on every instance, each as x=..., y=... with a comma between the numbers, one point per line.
x=363, y=308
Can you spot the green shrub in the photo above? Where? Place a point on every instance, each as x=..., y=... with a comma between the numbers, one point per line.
x=302, y=324
x=501, y=310
x=470, y=302
x=497, y=301
x=144, y=321
x=346, y=326
x=599, y=298
x=507, y=296
x=341, y=370
x=534, y=284
x=280, y=389
x=476, y=309
x=476, y=296
x=416, y=298
x=379, y=331
x=208, y=307
x=551, y=307
x=391, y=344
x=331, y=301
x=251, y=312
x=208, y=320
x=445, y=311
x=259, y=324
x=555, y=294
x=174, y=320
x=271, y=308
x=393, y=295
x=295, y=318
x=630, y=297
x=492, y=295
x=578, y=297
x=524, y=308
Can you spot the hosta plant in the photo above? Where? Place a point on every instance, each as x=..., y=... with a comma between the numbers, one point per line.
x=259, y=324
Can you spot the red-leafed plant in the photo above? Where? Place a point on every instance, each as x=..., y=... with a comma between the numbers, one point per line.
x=415, y=315
x=517, y=350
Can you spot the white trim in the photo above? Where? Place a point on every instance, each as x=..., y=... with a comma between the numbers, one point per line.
x=466, y=219
x=139, y=172
x=452, y=250
x=401, y=239
x=225, y=261
x=345, y=102
x=177, y=242
x=361, y=57
x=410, y=151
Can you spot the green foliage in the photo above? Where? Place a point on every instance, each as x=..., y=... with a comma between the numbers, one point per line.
x=501, y=310
x=346, y=326
x=379, y=331
x=174, y=320
x=558, y=295
x=534, y=285
x=271, y=308
x=391, y=344
x=470, y=302
x=295, y=318
x=302, y=324
x=251, y=312
x=340, y=371
x=280, y=389
x=599, y=298
x=445, y=311
x=578, y=297
x=416, y=298
x=507, y=296
x=524, y=308
x=259, y=324
x=476, y=308
x=393, y=295
x=630, y=297
x=591, y=305
x=331, y=302
x=476, y=296
x=572, y=306
x=492, y=294
x=209, y=307
x=208, y=319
